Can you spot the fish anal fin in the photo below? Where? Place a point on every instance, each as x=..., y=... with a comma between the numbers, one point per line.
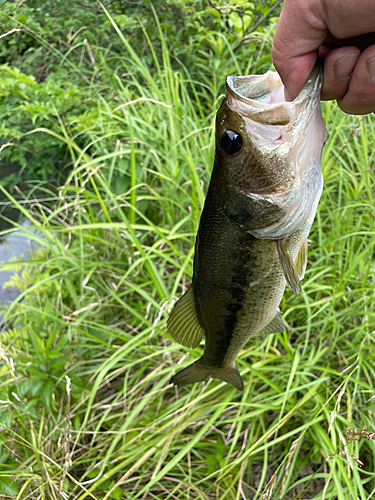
x=301, y=260
x=183, y=323
x=198, y=372
x=288, y=268
x=276, y=325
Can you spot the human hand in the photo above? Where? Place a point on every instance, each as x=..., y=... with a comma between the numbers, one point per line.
x=340, y=31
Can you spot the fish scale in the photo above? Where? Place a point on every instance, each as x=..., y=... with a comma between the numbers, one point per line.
x=252, y=237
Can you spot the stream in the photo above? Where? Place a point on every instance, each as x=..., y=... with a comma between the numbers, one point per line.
x=14, y=246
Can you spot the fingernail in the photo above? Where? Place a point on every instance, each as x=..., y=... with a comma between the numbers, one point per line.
x=371, y=68
x=344, y=67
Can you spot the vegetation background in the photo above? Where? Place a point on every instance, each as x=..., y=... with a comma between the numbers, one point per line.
x=106, y=143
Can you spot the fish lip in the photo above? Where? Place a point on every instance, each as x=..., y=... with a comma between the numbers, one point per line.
x=231, y=86
x=279, y=113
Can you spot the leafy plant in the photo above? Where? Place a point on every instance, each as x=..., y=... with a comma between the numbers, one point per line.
x=87, y=409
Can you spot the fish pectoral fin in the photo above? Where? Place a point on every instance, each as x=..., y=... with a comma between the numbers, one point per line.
x=287, y=266
x=276, y=325
x=183, y=323
x=198, y=372
x=301, y=260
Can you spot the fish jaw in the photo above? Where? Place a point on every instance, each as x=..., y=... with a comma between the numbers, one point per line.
x=287, y=140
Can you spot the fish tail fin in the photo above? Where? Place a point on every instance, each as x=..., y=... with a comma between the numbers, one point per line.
x=198, y=372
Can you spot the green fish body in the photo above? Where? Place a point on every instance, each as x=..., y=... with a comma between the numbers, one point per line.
x=252, y=238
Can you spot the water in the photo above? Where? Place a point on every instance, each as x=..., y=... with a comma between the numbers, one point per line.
x=15, y=246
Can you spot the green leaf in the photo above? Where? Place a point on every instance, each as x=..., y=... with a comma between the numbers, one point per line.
x=211, y=460
x=116, y=494
x=8, y=487
x=214, y=12
x=46, y=393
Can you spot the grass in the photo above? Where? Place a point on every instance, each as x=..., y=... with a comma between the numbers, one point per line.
x=87, y=410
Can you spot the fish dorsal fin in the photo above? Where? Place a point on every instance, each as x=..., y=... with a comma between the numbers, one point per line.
x=183, y=324
x=301, y=260
x=287, y=266
x=276, y=325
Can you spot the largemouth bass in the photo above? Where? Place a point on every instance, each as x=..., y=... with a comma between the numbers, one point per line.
x=252, y=238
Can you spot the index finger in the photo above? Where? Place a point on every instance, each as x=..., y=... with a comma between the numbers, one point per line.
x=299, y=34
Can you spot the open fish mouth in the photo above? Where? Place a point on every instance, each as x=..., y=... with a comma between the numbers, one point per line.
x=261, y=97
x=290, y=133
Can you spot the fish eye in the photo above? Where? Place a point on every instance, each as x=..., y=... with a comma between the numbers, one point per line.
x=231, y=142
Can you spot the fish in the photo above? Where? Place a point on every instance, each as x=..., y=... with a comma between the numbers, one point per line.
x=264, y=190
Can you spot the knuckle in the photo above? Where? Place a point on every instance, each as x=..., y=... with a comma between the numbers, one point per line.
x=356, y=107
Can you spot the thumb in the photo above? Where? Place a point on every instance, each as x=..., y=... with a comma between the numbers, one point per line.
x=300, y=32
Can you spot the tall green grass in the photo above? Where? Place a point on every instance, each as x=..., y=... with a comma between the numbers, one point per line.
x=87, y=410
